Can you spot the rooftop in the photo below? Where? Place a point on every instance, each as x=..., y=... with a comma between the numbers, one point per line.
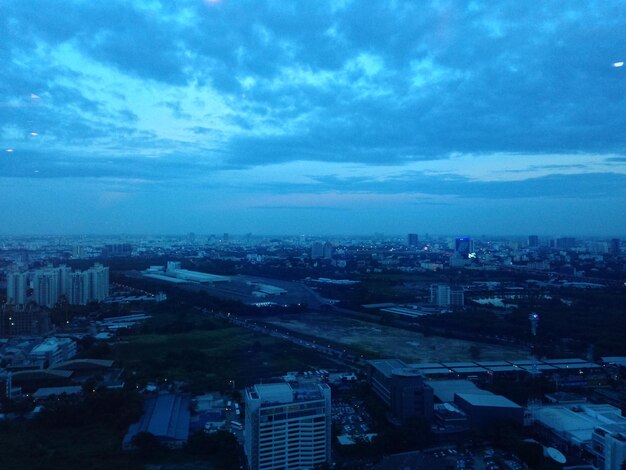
x=487, y=399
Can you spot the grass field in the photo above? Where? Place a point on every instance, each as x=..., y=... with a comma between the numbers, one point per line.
x=385, y=341
x=210, y=359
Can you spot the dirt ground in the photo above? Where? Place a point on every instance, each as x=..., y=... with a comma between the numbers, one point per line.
x=389, y=342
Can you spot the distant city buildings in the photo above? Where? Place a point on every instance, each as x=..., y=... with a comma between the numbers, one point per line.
x=322, y=250
x=288, y=425
x=615, y=247
x=46, y=286
x=412, y=240
x=117, y=249
x=463, y=246
x=443, y=295
x=533, y=241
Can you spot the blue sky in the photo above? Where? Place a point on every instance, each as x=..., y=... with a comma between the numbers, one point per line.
x=313, y=117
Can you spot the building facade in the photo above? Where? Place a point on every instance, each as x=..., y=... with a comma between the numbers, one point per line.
x=287, y=426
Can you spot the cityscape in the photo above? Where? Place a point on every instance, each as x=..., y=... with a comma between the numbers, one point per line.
x=312, y=235
x=245, y=351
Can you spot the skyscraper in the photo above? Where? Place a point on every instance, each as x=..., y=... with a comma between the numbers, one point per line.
x=412, y=240
x=463, y=246
x=287, y=426
x=614, y=248
x=533, y=241
x=17, y=284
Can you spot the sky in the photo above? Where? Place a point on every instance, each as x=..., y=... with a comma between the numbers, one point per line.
x=313, y=117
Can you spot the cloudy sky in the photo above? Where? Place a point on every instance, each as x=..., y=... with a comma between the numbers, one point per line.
x=312, y=116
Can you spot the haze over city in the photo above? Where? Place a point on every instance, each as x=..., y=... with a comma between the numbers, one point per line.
x=312, y=117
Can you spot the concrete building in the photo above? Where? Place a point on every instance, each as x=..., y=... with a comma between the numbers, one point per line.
x=53, y=351
x=401, y=388
x=287, y=425
x=443, y=295
x=463, y=246
x=615, y=246
x=485, y=409
x=585, y=429
x=17, y=285
x=167, y=417
x=49, y=284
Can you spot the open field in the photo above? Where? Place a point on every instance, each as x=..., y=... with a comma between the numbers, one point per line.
x=385, y=341
x=209, y=359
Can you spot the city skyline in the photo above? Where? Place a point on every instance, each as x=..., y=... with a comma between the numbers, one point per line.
x=318, y=117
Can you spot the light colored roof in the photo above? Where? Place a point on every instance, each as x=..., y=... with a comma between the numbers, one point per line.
x=274, y=393
x=444, y=390
x=487, y=399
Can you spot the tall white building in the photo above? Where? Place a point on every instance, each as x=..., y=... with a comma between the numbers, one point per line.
x=287, y=426
x=46, y=287
x=17, y=284
x=91, y=285
x=443, y=295
x=49, y=284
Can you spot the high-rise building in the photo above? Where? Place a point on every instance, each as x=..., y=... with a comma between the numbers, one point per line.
x=533, y=241
x=91, y=285
x=46, y=287
x=614, y=248
x=443, y=295
x=463, y=246
x=287, y=426
x=317, y=250
x=17, y=285
x=565, y=243
x=49, y=284
x=328, y=250
x=412, y=240
x=117, y=249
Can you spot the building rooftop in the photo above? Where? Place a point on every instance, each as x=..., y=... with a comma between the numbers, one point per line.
x=444, y=390
x=166, y=416
x=386, y=366
x=274, y=393
x=487, y=399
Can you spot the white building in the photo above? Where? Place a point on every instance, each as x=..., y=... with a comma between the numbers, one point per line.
x=17, y=284
x=443, y=295
x=49, y=284
x=597, y=429
x=53, y=351
x=287, y=426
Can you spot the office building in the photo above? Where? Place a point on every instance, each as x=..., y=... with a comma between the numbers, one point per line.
x=287, y=425
x=443, y=295
x=53, y=351
x=533, y=241
x=317, y=250
x=565, y=243
x=401, y=388
x=614, y=247
x=412, y=240
x=463, y=246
